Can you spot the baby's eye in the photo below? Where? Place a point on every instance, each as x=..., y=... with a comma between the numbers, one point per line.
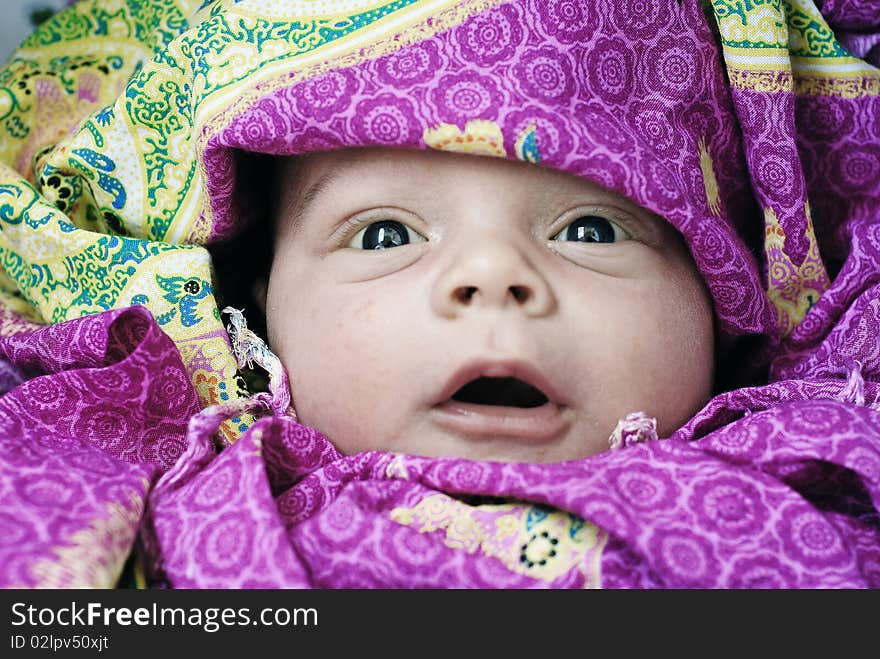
x=384, y=235
x=591, y=229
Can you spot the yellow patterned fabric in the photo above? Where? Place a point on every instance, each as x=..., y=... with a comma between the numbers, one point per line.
x=104, y=115
x=786, y=45
x=530, y=540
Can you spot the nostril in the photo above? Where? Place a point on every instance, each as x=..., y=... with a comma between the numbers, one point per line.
x=520, y=293
x=464, y=294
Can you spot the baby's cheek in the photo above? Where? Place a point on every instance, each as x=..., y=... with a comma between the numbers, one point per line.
x=686, y=340
x=659, y=344
x=351, y=392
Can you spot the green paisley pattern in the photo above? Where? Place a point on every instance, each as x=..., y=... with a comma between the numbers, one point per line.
x=797, y=26
x=153, y=24
x=101, y=199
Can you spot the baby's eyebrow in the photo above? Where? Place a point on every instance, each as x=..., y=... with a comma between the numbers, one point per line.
x=302, y=203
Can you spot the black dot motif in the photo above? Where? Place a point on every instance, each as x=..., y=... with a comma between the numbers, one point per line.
x=113, y=223
x=539, y=550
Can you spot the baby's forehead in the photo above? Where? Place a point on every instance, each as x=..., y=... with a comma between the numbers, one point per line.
x=333, y=166
x=412, y=169
x=321, y=183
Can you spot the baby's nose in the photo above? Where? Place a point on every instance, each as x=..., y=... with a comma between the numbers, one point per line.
x=497, y=276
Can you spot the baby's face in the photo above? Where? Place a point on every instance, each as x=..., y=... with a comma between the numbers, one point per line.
x=450, y=305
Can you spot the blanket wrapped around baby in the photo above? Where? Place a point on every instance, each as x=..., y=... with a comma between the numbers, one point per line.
x=126, y=428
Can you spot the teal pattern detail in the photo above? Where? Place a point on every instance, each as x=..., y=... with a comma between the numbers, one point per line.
x=153, y=23
x=536, y=515
x=813, y=36
x=103, y=118
x=8, y=211
x=212, y=36
x=526, y=145
x=130, y=251
x=816, y=37
x=102, y=164
x=36, y=223
x=94, y=276
x=185, y=292
x=575, y=525
x=16, y=128
x=12, y=103
x=167, y=116
x=741, y=9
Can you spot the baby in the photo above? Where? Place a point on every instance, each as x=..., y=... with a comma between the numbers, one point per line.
x=462, y=333
x=444, y=304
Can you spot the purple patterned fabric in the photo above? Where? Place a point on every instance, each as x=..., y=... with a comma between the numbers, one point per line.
x=770, y=487
x=854, y=14
x=773, y=485
x=755, y=503
x=103, y=411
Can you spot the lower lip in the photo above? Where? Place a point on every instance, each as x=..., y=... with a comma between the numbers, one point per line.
x=535, y=424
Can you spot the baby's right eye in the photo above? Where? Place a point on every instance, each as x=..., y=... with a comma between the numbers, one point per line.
x=384, y=235
x=591, y=229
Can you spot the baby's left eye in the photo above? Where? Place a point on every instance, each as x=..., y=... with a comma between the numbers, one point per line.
x=591, y=229
x=385, y=235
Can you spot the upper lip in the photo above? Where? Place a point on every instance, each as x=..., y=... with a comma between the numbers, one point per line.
x=505, y=368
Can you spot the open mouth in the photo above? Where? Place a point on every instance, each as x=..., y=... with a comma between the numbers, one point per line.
x=485, y=400
x=503, y=392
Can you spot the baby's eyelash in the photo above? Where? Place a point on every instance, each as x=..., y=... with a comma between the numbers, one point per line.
x=625, y=226
x=595, y=229
x=348, y=230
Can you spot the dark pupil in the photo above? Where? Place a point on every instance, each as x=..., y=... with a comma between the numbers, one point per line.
x=385, y=234
x=591, y=229
x=191, y=287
